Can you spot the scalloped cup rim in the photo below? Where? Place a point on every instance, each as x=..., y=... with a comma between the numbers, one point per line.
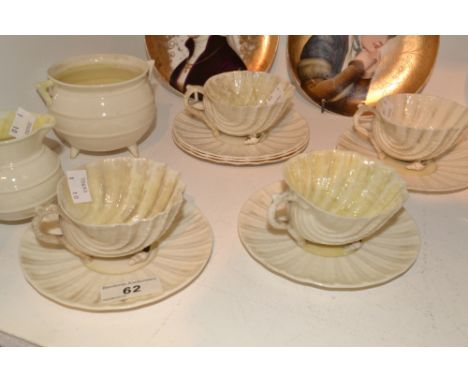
x=433, y=98
x=287, y=96
x=180, y=188
x=419, y=95
x=403, y=194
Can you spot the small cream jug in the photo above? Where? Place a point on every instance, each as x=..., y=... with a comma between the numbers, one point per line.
x=102, y=102
x=29, y=170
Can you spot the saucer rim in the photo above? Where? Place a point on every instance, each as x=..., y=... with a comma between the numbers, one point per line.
x=308, y=282
x=248, y=160
x=122, y=305
x=424, y=189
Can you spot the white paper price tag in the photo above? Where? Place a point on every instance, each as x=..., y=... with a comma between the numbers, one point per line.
x=78, y=185
x=125, y=290
x=22, y=124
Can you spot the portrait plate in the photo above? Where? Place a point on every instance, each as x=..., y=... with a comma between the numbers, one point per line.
x=339, y=72
x=191, y=60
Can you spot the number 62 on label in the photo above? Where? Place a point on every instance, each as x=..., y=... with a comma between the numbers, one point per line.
x=129, y=289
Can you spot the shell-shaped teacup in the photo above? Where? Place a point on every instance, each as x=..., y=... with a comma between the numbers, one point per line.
x=413, y=127
x=336, y=197
x=134, y=202
x=240, y=103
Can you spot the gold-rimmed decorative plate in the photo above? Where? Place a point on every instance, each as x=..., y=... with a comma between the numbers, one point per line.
x=191, y=60
x=67, y=279
x=387, y=254
x=339, y=72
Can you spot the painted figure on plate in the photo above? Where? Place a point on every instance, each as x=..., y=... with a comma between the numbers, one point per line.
x=207, y=56
x=336, y=71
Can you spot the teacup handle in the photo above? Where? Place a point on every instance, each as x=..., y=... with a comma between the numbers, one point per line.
x=43, y=90
x=198, y=113
x=45, y=237
x=277, y=200
x=365, y=132
x=357, y=120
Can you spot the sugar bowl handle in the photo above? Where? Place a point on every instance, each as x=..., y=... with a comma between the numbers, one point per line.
x=43, y=90
x=45, y=237
x=198, y=112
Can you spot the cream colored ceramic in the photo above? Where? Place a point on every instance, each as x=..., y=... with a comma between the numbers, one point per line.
x=413, y=127
x=336, y=197
x=234, y=162
x=449, y=173
x=289, y=137
x=176, y=261
x=102, y=102
x=135, y=201
x=382, y=257
x=29, y=170
x=240, y=103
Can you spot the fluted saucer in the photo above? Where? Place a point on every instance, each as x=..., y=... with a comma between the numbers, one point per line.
x=381, y=258
x=289, y=137
x=176, y=260
x=448, y=173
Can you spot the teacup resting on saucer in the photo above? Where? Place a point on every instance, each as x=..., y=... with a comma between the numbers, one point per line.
x=413, y=127
x=134, y=202
x=336, y=198
x=240, y=103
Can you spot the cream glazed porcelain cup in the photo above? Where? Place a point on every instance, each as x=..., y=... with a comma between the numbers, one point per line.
x=134, y=202
x=413, y=127
x=29, y=170
x=101, y=102
x=240, y=103
x=336, y=197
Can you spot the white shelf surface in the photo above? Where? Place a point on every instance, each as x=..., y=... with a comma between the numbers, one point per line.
x=236, y=301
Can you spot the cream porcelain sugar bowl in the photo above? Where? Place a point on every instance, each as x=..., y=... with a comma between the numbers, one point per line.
x=134, y=202
x=29, y=170
x=413, y=127
x=240, y=103
x=102, y=102
x=336, y=197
